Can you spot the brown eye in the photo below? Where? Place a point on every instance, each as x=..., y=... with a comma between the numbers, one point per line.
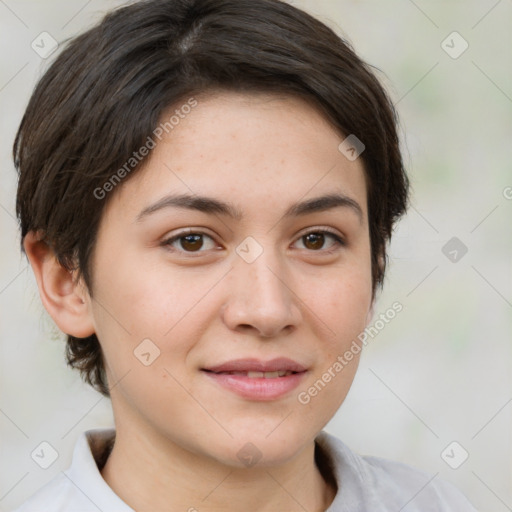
x=321, y=241
x=190, y=242
x=314, y=241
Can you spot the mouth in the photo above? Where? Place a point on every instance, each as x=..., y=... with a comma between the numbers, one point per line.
x=258, y=375
x=246, y=366
x=257, y=380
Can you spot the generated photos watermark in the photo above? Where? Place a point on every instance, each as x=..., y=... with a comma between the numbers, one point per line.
x=139, y=155
x=370, y=332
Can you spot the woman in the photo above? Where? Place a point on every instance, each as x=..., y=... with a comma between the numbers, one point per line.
x=207, y=190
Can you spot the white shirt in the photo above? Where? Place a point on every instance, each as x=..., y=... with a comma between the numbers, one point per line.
x=365, y=484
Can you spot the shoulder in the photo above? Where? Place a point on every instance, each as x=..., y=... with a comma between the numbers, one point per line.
x=418, y=489
x=381, y=485
x=81, y=487
x=56, y=496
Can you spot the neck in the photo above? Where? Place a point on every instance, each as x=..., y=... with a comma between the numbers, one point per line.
x=151, y=473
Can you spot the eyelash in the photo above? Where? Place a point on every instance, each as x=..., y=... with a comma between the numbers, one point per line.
x=339, y=241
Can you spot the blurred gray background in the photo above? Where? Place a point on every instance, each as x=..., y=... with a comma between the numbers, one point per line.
x=434, y=385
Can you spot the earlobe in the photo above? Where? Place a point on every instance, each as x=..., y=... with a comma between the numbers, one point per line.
x=66, y=300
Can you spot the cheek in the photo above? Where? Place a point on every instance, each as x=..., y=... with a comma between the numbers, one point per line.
x=341, y=308
x=342, y=303
x=150, y=310
x=142, y=298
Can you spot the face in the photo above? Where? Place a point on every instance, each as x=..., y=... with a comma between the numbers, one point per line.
x=228, y=276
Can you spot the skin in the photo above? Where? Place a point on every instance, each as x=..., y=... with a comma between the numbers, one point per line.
x=178, y=432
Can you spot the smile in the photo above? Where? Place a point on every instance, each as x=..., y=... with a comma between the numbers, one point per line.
x=261, y=375
x=257, y=380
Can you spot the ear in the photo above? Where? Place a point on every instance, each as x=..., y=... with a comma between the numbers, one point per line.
x=66, y=300
x=371, y=312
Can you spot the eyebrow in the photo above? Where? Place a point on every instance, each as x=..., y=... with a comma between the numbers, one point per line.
x=214, y=206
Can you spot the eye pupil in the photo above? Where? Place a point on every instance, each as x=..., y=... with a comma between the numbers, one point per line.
x=314, y=240
x=192, y=242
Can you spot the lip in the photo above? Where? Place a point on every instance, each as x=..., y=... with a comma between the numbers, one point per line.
x=256, y=365
x=257, y=388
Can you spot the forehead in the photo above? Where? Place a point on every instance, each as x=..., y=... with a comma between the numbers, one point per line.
x=260, y=152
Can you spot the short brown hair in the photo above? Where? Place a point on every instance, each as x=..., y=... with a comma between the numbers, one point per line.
x=107, y=90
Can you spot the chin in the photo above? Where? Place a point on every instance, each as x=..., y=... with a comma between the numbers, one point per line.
x=266, y=447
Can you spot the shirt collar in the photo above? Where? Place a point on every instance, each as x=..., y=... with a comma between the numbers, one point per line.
x=85, y=475
x=350, y=474
x=345, y=467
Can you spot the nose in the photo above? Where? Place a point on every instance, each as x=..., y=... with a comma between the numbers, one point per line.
x=261, y=299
